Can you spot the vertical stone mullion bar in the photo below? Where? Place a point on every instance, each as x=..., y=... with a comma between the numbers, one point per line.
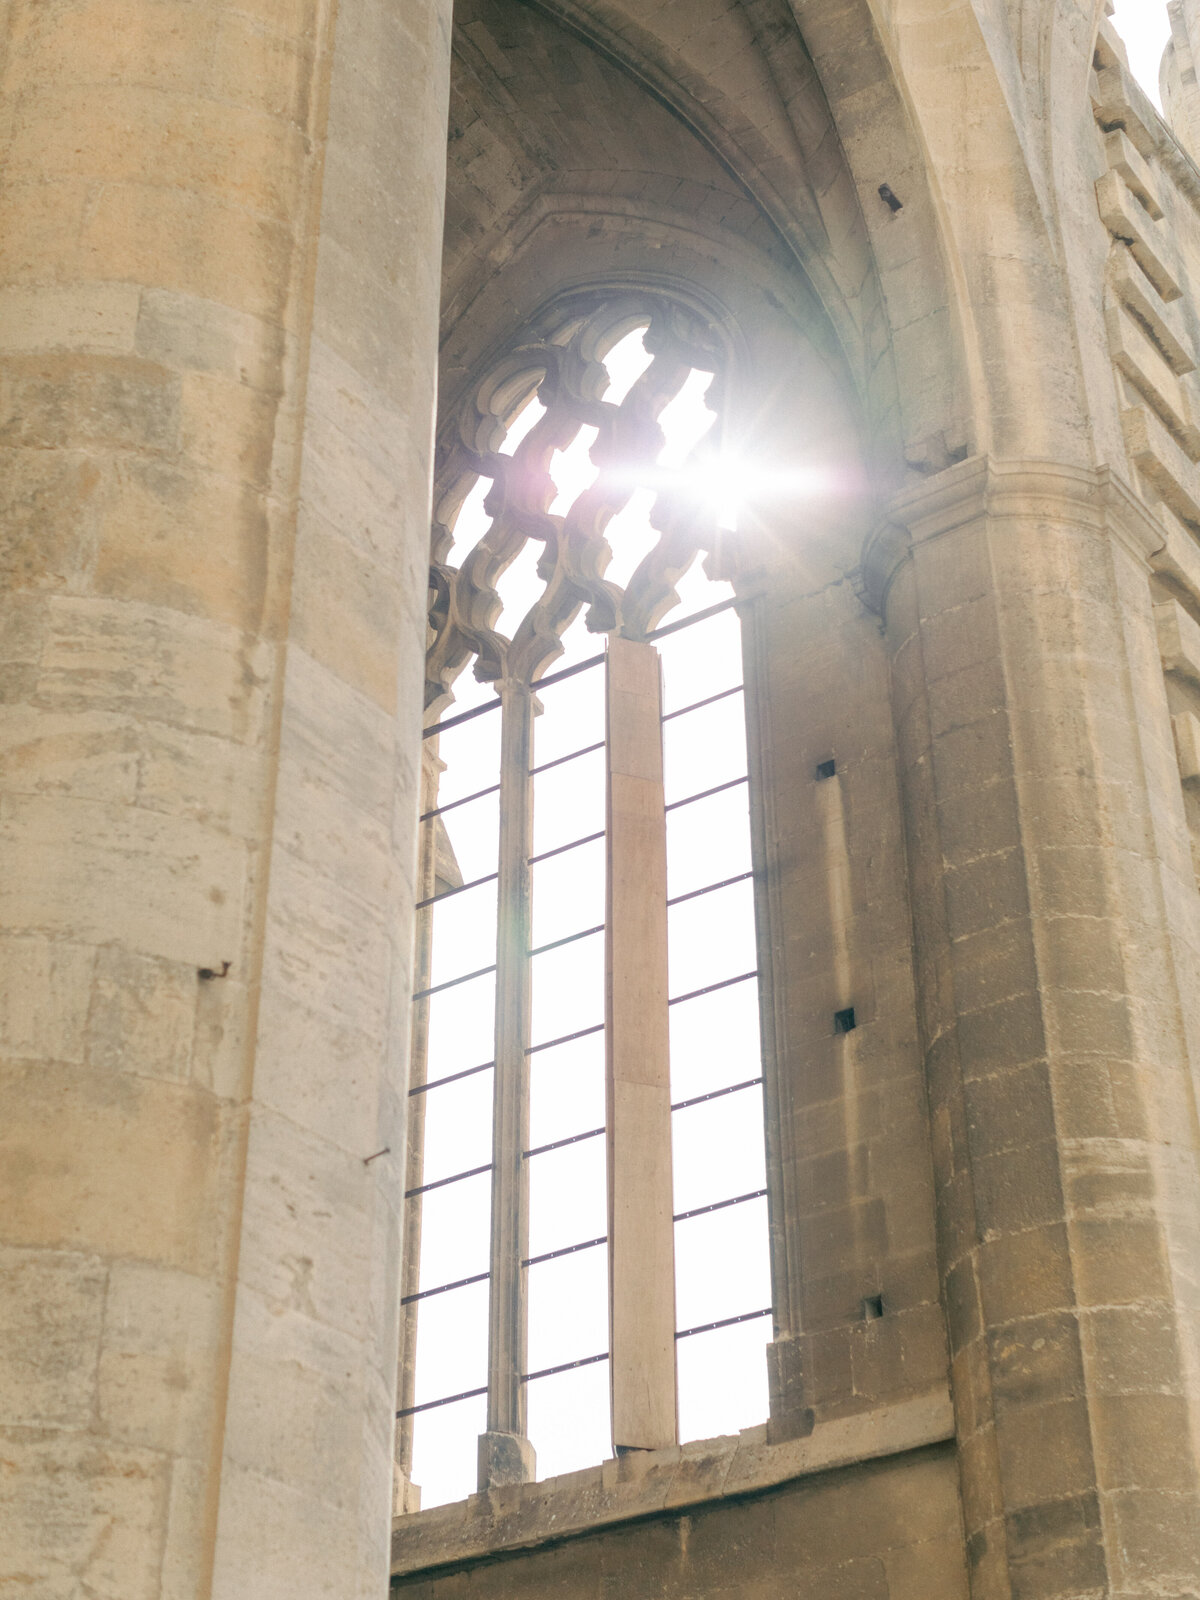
x=505, y=1455
x=641, y=1246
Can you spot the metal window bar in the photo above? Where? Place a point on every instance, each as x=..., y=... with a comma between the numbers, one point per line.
x=460, y=718
x=445, y=1288
x=452, y=983
x=718, y=1205
x=440, y=811
x=561, y=849
x=698, y=705
x=569, y=1038
x=559, y=761
x=688, y=622
x=440, y=1183
x=711, y=988
x=716, y=1094
x=725, y=1322
x=717, y=788
x=460, y=889
x=564, y=1250
x=446, y=1400
x=710, y=888
x=561, y=1144
x=571, y=938
x=569, y=672
x=565, y=1366
x=451, y=1077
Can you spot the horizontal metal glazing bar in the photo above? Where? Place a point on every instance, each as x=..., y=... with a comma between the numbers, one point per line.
x=559, y=1144
x=711, y=988
x=561, y=849
x=688, y=622
x=440, y=1183
x=717, y=788
x=445, y=1288
x=571, y=938
x=725, y=1322
x=565, y=1250
x=567, y=1366
x=461, y=889
x=585, y=750
x=569, y=672
x=463, y=716
x=719, y=1205
x=451, y=983
x=440, y=811
x=569, y=1038
x=715, y=1094
x=451, y=1077
x=710, y=888
x=446, y=1400
x=709, y=700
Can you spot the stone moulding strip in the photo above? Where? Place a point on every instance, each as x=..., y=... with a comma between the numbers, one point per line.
x=521, y=1517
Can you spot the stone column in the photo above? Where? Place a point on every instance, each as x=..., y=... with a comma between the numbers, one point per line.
x=1048, y=857
x=216, y=385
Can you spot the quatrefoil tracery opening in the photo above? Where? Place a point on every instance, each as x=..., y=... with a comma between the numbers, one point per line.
x=572, y=481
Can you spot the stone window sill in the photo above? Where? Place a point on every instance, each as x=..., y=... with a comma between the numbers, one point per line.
x=638, y=1485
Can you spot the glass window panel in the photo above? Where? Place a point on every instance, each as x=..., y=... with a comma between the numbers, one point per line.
x=445, y=1451
x=568, y=1308
x=455, y=1231
x=704, y=747
x=568, y=802
x=718, y=1149
x=519, y=588
x=568, y=1420
x=630, y=537
x=472, y=756
x=458, y=1126
x=722, y=1264
x=474, y=831
x=568, y=989
x=708, y=841
x=573, y=471
x=572, y=711
x=568, y=1200
x=566, y=1090
x=462, y=1027
x=469, y=692
x=579, y=644
x=464, y=933
x=697, y=591
x=715, y=1041
x=701, y=660
x=686, y=419
x=472, y=521
x=723, y=1380
x=568, y=893
x=452, y=1343
x=711, y=938
x=625, y=363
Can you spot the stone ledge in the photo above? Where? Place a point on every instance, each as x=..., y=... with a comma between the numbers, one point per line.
x=523, y=1516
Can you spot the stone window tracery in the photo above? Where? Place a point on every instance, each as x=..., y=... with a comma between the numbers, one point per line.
x=570, y=1277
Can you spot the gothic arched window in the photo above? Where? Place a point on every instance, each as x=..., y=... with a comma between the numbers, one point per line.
x=586, y=1221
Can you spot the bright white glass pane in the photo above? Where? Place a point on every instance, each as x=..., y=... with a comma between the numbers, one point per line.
x=458, y=1126
x=686, y=419
x=722, y=1264
x=697, y=592
x=472, y=521
x=723, y=1380
x=568, y=802
x=462, y=1027
x=464, y=933
x=718, y=1150
x=567, y=1196
x=568, y=893
x=711, y=938
x=469, y=692
x=472, y=756
x=566, y=1090
x=578, y=645
x=572, y=471
x=630, y=537
x=572, y=712
x=704, y=747
x=568, y=989
x=715, y=1041
x=568, y=1420
x=625, y=363
x=455, y=1230
x=445, y=1448
x=452, y=1342
x=568, y=1308
x=522, y=424
x=701, y=660
x=474, y=831
x=708, y=841
x=519, y=587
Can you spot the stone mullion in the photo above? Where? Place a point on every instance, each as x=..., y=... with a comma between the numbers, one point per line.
x=505, y=1454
